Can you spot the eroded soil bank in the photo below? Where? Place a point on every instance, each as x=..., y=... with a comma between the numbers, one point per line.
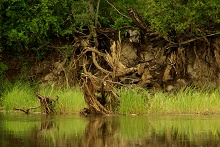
x=115, y=63
x=168, y=67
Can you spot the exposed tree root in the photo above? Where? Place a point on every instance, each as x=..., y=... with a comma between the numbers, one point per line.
x=99, y=91
x=47, y=104
x=156, y=63
x=99, y=95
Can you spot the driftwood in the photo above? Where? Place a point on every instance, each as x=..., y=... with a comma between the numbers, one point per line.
x=47, y=104
x=27, y=111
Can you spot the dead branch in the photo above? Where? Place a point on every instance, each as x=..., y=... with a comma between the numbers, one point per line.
x=126, y=72
x=170, y=65
x=189, y=41
x=97, y=12
x=117, y=10
x=27, y=111
x=92, y=49
x=47, y=103
x=118, y=69
x=137, y=19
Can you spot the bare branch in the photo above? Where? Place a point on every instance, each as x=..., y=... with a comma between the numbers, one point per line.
x=27, y=111
x=189, y=41
x=97, y=12
x=117, y=10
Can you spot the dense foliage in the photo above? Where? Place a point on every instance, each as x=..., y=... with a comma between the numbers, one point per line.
x=196, y=17
x=31, y=25
x=192, y=18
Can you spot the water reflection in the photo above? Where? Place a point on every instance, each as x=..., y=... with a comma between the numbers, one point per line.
x=110, y=131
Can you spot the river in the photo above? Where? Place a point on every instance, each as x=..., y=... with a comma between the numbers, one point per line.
x=36, y=130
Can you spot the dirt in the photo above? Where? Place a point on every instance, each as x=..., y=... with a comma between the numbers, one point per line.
x=55, y=67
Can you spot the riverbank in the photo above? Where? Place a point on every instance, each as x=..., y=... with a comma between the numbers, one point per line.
x=191, y=101
x=132, y=100
x=22, y=96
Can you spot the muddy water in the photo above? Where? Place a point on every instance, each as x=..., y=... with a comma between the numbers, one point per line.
x=110, y=131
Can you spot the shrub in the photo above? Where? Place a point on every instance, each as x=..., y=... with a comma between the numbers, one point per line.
x=26, y=24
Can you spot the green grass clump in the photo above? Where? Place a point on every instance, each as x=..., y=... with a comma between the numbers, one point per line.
x=19, y=95
x=22, y=95
x=133, y=101
x=71, y=100
x=190, y=101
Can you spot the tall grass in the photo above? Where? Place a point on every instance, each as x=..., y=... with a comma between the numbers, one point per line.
x=70, y=100
x=22, y=95
x=19, y=95
x=189, y=102
x=132, y=100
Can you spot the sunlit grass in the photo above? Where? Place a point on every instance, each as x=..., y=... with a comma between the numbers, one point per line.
x=19, y=96
x=22, y=95
x=133, y=101
x=70, y=100
x=189, y=102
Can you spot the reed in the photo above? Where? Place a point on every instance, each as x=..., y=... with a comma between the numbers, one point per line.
x=19, y=95
x=22, y=95
x=70, y=100
x=190, y=101
x=132, y=100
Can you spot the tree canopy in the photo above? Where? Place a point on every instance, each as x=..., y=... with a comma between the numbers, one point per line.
x=27, y=25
